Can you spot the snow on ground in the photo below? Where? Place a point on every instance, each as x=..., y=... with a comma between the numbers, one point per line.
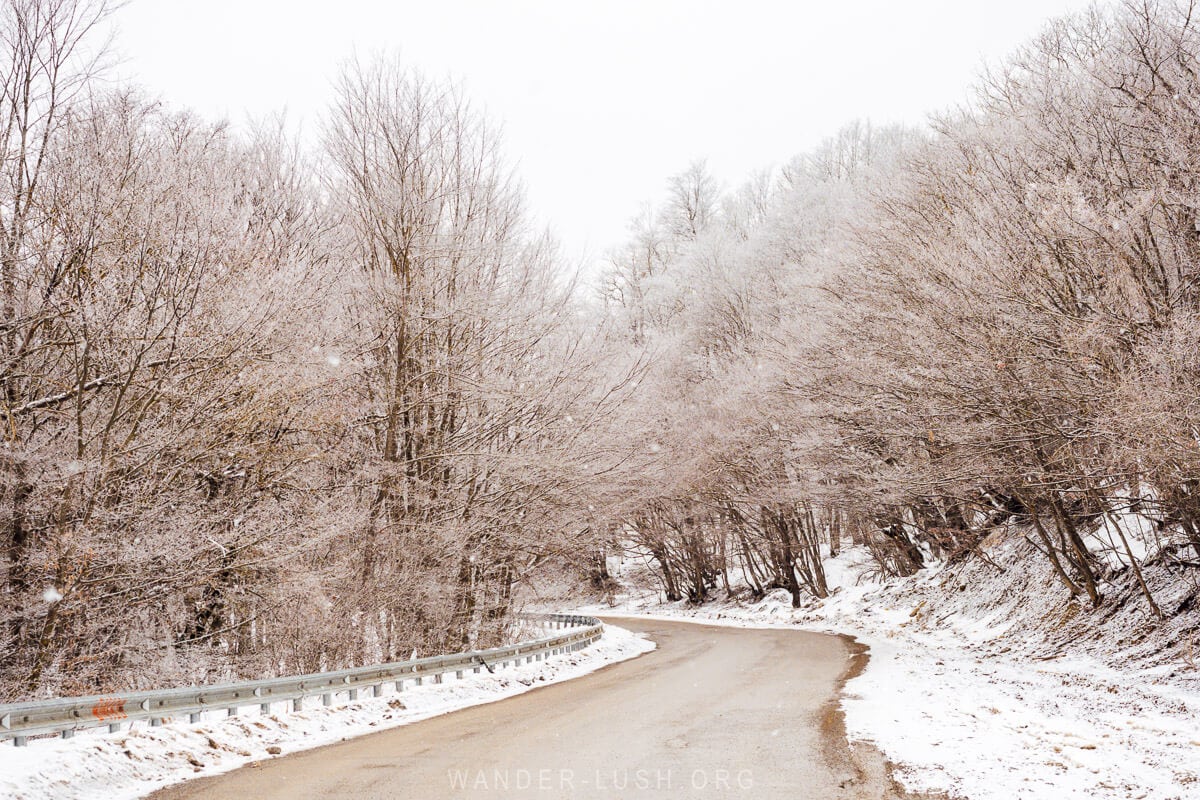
x=102, y=766
x=977, y=690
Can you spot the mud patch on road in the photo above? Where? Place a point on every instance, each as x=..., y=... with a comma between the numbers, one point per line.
x=867, y=772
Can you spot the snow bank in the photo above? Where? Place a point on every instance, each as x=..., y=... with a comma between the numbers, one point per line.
x=95, y=764
x=978, y=690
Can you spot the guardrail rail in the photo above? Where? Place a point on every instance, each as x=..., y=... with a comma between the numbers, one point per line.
x=68, y=714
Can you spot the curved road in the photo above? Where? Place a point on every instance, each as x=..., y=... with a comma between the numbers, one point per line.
x=712, y=713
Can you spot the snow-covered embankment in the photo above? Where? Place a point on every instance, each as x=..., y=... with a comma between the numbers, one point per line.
x=977, y=690
x=102, y=766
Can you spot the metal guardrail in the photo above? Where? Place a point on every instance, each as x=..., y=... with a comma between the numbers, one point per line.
x=68, y=714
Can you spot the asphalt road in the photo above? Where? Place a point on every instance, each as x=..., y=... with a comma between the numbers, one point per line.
x=712, y=713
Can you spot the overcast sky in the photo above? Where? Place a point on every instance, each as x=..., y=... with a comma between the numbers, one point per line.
x=601, y=101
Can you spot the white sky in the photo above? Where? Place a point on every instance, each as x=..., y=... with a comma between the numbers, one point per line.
x=601, y=100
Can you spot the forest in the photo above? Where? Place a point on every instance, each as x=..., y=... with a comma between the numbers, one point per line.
x=272, y=407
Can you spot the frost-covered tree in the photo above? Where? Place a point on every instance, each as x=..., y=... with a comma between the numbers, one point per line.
x=472, y=372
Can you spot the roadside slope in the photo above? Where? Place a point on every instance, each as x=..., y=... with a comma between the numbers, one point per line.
x=975, y=689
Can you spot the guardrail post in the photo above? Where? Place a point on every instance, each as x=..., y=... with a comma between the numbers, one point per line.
x=298, y=704
x=68, y=733
x=327, y=699
x=232, y=711
x=19, y=741
x=377, y=690
x=437, y=678
x=353, y=695
x=193, y=718
x=114, y=727
x=265, y=709
x=419, y=681
x=458, y=674
x=156, y=722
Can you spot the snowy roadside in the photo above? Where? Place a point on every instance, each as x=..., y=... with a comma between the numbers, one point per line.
x=95, y=764
x=971, y=706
